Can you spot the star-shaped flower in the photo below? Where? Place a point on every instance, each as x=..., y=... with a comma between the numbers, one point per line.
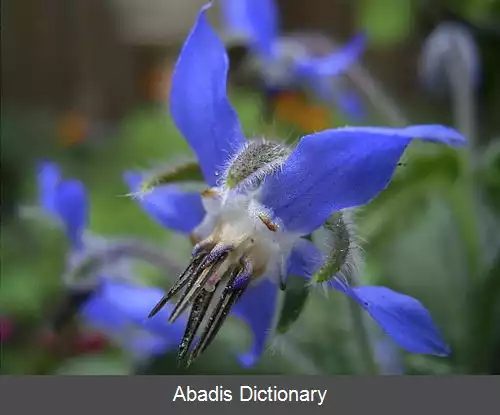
x=251, y=225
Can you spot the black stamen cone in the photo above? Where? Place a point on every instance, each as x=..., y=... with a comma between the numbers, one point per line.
x=206, y=262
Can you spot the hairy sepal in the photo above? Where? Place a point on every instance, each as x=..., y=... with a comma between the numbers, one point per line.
x=343, y=247
x=187, y=171
x=258, y=158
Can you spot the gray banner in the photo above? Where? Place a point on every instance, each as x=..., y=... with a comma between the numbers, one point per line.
x=248, y=394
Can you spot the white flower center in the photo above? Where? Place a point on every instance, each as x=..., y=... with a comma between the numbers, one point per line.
x=242, y=223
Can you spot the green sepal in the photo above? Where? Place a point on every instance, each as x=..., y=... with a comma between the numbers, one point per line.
x=189, y=171
x=340, y=238
x=295, y=298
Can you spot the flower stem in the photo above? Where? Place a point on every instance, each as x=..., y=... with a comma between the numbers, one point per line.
x=362, y=338
x=377, y=96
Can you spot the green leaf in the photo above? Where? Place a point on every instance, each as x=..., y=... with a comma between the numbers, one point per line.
x=296, y=294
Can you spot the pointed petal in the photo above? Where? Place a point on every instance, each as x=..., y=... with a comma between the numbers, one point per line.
x=198, y=102
x=334, y=64
x=257, y=308
x=48, y=178
x=168, y=205
x=341, y=168
x=263, y=18
x=401, y=317
x=72, y=206
x=305, y=259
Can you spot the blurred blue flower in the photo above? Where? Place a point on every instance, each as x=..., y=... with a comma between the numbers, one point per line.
x=272, y=209
x=118, y=309
x=283, y=66
x=66, y=200
x=113, y=307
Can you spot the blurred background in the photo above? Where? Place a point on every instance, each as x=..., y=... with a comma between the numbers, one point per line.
x=84, y=83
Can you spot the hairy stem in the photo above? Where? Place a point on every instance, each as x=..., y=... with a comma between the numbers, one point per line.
x=463, y=97
x=93, y=263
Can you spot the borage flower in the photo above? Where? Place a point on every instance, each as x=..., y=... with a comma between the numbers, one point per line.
x=295, y=61
x=250, y=226
x=110, y=303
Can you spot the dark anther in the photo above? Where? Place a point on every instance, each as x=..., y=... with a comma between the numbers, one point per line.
x=201, y=276
x=244, y=275
x=198, y=311
x=185, y=277
x=227, y=299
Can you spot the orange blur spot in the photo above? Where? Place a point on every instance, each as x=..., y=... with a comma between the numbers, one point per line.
x=72, y=129
x=294, y=108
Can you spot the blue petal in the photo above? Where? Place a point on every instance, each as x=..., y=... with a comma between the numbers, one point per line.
x=401, y=317
x=101, y=315
x=236, y=19
x=145, y=345
x=305, y=259
x=198, y=100
x=341, y=168
x=48, y=178
x=349, y=102
x=168, y=205
x=263, y=18
x=334, y=64
x=72, y=207
x=257, y=308
x=114, y=310
x=131, y=304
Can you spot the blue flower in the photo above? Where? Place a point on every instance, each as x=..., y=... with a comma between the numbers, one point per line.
x=284, y=65
x=66, y=200
x=263, y=200
x=113, y=307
